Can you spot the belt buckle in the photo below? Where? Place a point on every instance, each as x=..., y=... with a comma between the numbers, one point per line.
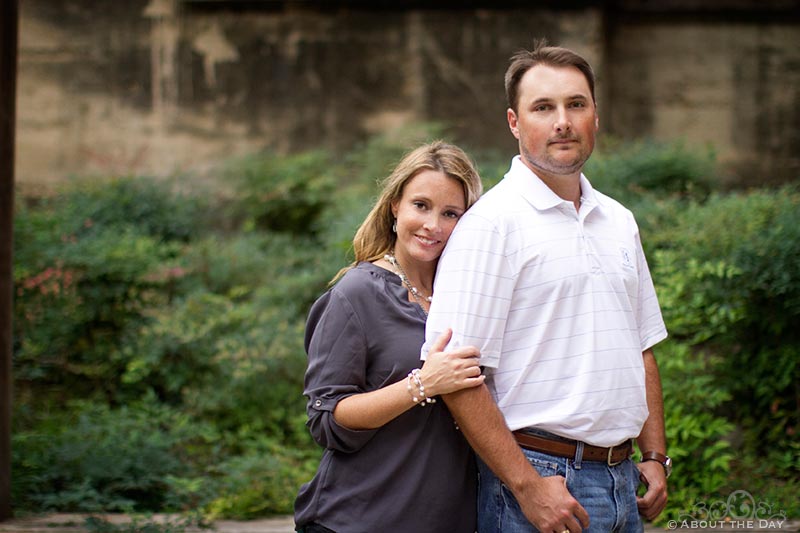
x=608, y=459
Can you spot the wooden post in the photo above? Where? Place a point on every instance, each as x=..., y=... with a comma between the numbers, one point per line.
x=9, y=24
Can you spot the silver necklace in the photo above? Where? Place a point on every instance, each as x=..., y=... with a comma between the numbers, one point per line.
x=412, y=289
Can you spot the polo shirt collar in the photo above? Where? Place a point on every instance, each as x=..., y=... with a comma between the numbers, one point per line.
x=539, y=195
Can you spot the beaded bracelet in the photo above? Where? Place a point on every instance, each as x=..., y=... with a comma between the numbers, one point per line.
x=414, y=376
x=409, y=389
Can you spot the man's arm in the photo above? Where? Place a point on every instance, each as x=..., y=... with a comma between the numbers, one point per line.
x=546, y=502
x=653, y=439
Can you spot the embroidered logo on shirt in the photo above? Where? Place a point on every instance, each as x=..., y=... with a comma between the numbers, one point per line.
x=627, y=261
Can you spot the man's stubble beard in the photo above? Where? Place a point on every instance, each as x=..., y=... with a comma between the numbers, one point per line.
x=551, y=167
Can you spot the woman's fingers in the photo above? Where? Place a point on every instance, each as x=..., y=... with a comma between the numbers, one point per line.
x=441, y=341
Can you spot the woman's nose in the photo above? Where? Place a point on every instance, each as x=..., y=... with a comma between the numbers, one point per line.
x=432, y=223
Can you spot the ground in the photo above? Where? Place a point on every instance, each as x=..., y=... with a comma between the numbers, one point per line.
x=73, y=523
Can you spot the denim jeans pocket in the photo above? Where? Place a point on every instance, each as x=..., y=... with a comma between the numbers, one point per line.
x=544, y=464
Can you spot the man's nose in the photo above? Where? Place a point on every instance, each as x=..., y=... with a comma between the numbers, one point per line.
x=562, y=123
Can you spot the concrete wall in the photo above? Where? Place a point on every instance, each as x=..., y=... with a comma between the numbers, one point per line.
x=168, y=86
x=730, y=81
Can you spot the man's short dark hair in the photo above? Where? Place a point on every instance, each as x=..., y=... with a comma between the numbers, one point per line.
x=542, y=54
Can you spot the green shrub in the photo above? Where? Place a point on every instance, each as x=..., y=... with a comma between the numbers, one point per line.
x=694, y=296
x=285, y=194
x=631, y=171
x=767, y=338
x=102, y=459
x=730, y=281
x=711, y=230
x=279, y=269
x=153, y=207
x=224, y=362
x=76, y=307
x=697, y=433
x=262, y=482
x=88, y=264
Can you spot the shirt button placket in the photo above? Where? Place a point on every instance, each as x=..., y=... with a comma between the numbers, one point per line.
x=588, y=250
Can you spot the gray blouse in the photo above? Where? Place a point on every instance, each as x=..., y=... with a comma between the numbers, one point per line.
x=417, y=472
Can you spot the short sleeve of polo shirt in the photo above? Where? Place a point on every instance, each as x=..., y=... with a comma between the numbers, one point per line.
x=473, y=289
x=337, y=359
x=652, y=329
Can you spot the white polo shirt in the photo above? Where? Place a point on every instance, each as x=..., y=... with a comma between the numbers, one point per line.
x=560, y=303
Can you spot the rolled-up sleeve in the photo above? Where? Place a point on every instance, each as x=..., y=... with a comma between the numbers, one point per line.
x=337, y=360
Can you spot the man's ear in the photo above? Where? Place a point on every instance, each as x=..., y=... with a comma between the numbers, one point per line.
x=511, y=116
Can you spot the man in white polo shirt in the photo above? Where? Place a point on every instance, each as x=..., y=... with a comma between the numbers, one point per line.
x=547, y=277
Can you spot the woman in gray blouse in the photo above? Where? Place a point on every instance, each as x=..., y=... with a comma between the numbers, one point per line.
x=394, y=458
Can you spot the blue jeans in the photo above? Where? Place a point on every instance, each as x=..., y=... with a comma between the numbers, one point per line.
x=608, y=493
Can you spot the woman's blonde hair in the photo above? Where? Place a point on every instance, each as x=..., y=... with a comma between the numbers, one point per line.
x=374, y=238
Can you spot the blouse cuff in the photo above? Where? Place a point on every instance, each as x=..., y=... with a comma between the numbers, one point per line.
x=327, y=432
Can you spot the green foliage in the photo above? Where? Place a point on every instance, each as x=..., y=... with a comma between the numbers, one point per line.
x=89, y=262
x=767, y=479
x=630, y=172
x=696, y=431
x=262, y=482
x=693, y=296
x=281, y=193
x=152, y=207
x=767, y=335
x=729, y=280
x=125, y=292
x=78, y=300
x=158, y=355
x=102, y=459
x=224, y=361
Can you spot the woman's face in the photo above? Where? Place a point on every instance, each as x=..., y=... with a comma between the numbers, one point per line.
x=426, y=214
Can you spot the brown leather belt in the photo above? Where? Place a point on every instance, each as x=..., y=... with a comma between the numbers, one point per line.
x=567, y=448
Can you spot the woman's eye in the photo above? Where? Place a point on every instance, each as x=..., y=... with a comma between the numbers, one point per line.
x=419, y=205
x=452, y=214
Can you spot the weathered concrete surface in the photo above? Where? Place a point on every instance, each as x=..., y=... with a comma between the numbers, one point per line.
x=73, y=523
x=170, y=86
x=730, y=85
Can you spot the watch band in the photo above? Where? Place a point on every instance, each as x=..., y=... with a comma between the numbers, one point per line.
x=665, y=461
x=654, y=456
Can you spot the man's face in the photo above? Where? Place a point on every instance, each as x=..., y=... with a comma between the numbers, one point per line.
x=555, y=122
